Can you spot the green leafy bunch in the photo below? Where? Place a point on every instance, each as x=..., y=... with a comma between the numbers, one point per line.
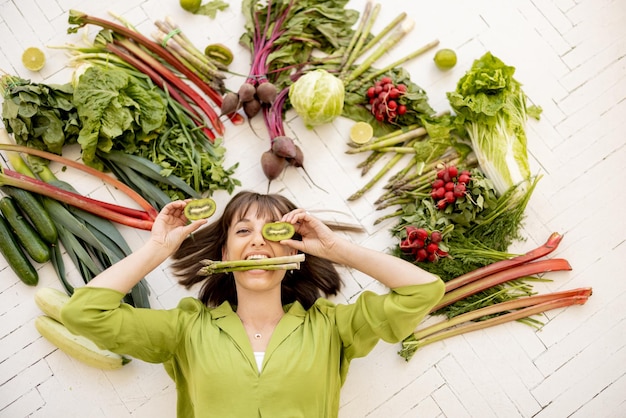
x=114, y=107
x=38, y=115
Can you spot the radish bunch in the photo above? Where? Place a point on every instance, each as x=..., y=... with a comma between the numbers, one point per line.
x=449, y=186
x=422, y=244
x=384, y=100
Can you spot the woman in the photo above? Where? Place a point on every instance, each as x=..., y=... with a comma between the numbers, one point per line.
x=258, y=343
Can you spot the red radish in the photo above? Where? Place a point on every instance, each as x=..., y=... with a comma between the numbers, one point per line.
x=436, y=237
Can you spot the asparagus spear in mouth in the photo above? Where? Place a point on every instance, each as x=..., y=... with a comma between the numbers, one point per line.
x=291, y=262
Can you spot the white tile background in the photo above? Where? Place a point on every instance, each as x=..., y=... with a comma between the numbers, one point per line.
x=569, y=55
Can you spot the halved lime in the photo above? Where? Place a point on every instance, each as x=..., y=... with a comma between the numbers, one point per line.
x=445, y=59
x=33, y=58
x=361, y=132
x=192, y=6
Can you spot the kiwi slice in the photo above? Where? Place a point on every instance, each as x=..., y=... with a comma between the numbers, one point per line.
x=200, y=208
x=276, y=231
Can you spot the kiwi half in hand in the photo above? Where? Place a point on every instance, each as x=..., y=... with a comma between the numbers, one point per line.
x=200, y=208
x=277, y=231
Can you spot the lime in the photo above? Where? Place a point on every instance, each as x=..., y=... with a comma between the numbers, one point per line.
x=33, y=58
x=361, y=132
x=191, y=6
x=445, y=59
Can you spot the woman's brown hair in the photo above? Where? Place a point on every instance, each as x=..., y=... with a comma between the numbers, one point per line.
x=316, y=276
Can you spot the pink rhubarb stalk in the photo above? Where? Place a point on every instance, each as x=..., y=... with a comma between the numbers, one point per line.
x=550, y=245
x=510, y=305
x=527, y=269
x=125, y=216
x=538, y=308
x=143, y=203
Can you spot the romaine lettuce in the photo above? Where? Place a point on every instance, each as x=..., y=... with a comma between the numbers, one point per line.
x=492, y=108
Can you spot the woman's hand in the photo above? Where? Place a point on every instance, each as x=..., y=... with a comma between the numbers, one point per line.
x=317, y=238
x=171, y=226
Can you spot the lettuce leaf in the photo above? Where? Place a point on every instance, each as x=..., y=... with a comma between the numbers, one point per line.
x=114, y=108
x=492, y=108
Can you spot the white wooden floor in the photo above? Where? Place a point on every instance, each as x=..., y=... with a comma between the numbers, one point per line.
x=570, y=56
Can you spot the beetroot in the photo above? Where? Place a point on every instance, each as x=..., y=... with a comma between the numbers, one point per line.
x=272, y=165
x=230, y=103
x=251, y=108
x=283, y=146
x=266, y=92
x=246, y=92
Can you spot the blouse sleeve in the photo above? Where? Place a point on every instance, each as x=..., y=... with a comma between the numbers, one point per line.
x=147, y=334
x=391, y=317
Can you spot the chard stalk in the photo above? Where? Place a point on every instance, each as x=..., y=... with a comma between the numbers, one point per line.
x=274, y=263
x=524, y=270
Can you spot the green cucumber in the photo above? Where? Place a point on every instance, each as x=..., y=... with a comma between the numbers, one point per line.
x=26, y=235
x=15, y=256
x=32, y=207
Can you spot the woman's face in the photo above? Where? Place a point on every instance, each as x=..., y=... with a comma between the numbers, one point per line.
x=245, y=241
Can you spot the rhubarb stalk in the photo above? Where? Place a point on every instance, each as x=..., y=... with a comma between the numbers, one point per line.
x=544, y=303
x=125, y=216
x=527, y=269
x=144, y=204
x=549, y=246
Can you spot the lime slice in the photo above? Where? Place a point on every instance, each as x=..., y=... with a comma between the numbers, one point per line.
x=192, y=6
x=361, y=132
x=445, y=59
x=33, y=58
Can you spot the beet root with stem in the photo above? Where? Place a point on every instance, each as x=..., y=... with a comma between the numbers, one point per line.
x=283, y=146
x=298, y=162
x=272, y=166
x=230, y=103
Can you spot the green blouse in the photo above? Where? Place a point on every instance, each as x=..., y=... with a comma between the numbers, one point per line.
x=207, y=353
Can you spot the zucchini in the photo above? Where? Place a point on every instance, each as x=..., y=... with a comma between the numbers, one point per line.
x=77, y=346
x=51, y=301
x=26, y=235
x=32, y=207
x=15, y=256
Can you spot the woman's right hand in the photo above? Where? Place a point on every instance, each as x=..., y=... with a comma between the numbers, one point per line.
x=171, y=226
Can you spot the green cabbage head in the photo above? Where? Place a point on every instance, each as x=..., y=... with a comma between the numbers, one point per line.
x=317, y=97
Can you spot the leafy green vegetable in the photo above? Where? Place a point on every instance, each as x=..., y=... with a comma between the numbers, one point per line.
x=317, y=97
x=492, y=107
x=39, y=116
x=211, y=8
x=114, y=107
